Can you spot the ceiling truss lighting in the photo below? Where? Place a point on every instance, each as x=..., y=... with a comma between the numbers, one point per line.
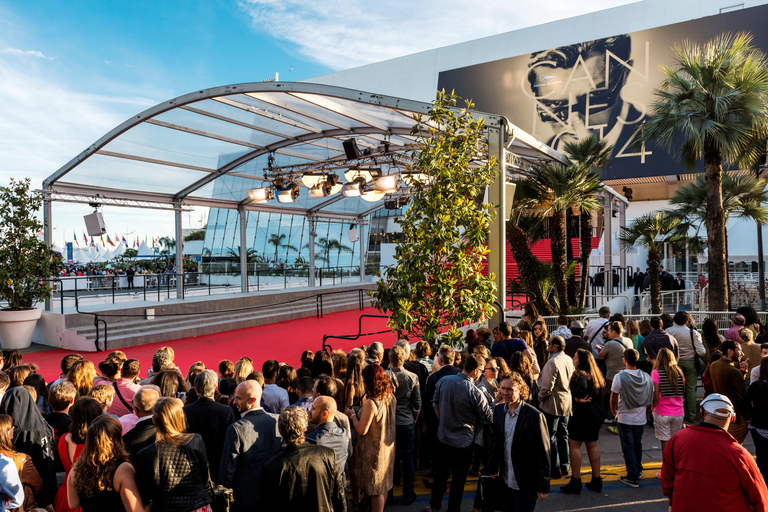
x=260, y=195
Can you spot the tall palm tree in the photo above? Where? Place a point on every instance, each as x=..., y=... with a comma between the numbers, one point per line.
x=556, y=188
x=712, y=105
x=652, y=231
x=277, y=241
x=523, y=229
x=594, y=154
x=743, y=196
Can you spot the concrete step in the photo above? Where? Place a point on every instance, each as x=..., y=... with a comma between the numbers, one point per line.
x=141, y=331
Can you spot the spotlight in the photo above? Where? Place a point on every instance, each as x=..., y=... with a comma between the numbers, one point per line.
x=359, y=172
x=372, y=196
x=326, y=188
x=260, y=195
x=353, y=188
x=286, y=193
x=311, y=179
x=385, y=184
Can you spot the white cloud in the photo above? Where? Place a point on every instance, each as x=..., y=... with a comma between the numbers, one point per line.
x=25, y=53
x=347, y=33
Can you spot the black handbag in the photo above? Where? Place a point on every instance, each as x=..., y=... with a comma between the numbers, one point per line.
x=697, y=360
x=222, y=497
x=490, y=494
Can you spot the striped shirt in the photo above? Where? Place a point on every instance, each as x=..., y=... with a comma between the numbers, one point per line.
x=670, y=403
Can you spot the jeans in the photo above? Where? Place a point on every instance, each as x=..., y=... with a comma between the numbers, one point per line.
x=405, y=436
x=519, y=501
x=761, y=451
x=455, y=461
x=691, y=375
x=631, y=437
x=557, y=427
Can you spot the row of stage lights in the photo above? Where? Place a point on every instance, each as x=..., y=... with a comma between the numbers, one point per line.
x=368, y=184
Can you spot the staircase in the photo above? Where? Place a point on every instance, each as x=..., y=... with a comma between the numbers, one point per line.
x=136, y=326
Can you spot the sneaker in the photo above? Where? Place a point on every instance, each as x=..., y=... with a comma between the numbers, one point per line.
x=609, y=421
x=615, y=430
x=631, y=483
x=658, y=475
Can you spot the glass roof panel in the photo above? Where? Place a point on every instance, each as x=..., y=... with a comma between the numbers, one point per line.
x=299, y=109
x=258, y=122
x=160, y=143
x=122, y=174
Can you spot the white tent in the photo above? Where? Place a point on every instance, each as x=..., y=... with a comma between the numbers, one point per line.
x=119, y=250
x=92, y=254
x=145, y=250
x=107, y=255
x=81, y=255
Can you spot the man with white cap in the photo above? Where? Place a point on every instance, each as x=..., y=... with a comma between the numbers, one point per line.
x=705, y=468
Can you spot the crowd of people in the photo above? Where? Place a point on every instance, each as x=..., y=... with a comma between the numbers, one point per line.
x=514, y=408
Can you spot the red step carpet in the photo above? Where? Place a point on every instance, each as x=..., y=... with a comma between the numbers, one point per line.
x=284, y=341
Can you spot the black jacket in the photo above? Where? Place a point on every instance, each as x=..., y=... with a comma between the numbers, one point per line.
x=530, y=448
x=210, y=419
x=139, y=437
x=173, y=477
x=754, y=404
x=429, y=392
x=304, y=477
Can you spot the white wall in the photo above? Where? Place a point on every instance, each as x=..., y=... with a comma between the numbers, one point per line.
x=415, y=76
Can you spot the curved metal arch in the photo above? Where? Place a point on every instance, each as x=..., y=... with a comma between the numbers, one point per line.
x=229, y=90
x=234, y=164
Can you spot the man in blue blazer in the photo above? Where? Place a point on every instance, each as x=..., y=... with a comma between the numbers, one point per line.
x=519, y=454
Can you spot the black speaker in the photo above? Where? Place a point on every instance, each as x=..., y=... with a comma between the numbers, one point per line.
x=351, y=149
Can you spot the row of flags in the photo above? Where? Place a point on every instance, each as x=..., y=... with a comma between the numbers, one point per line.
x=118, y=239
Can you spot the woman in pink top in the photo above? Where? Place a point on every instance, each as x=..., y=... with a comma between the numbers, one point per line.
x=111, y=370
x=668, y=393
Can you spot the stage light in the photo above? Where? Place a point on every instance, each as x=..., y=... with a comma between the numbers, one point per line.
x=260, y=195
x=385, y=184
x=288, y=193
x=311, y=179
x=372, y=196
x=353, y=188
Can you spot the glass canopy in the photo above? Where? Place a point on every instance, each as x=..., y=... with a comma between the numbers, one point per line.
x=209, y=148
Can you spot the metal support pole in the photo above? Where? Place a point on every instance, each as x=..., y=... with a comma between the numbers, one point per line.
x=622, y=251
x=179, y=257
x=312, y=235
x=608, y=244
x=362, y=252
x=48, y=236
x=497, y=241
x=243, y=249
x=760, y=259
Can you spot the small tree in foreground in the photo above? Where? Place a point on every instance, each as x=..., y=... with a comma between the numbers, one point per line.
x=26, y=262
x=437, y=282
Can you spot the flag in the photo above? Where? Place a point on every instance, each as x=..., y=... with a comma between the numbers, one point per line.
x=75, y=235
x=110, y=241
x=102, y=240
x=125, y=242
x=138, y=243
x=85, y=240
x=92, y=244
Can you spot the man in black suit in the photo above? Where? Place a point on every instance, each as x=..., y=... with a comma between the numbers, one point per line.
x=250, y=442
x=209, y=418
x=519, y=454
x=637, y=280
x=143, y=434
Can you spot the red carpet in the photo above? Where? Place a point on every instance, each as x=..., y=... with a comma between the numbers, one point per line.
x=284, y=341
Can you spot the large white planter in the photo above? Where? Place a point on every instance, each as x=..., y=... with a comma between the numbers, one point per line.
x=17, y=327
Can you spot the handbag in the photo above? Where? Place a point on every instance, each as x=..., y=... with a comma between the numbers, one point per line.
x=697, y=360
x=222, y=497
x=490, y=494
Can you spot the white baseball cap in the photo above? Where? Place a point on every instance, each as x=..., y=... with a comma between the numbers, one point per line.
x=718, y=405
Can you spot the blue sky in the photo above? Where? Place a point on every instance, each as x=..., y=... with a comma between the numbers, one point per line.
x=71, y=71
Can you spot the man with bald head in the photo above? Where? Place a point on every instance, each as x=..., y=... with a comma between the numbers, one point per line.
x=250, y=442
x=328, y=433
x=143, y=434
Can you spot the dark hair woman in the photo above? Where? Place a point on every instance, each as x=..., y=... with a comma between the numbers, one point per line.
x=83, y=413
x=521, y=365
x=11, y=358
x=322, y=363
x=29, y=476
x=587, y=390
x=37, y=381
x=171, y=383
x=173, y=472
x=33, y=436
x=286, y=379
x=102, y=478
x=376, y=427
x=711, y=336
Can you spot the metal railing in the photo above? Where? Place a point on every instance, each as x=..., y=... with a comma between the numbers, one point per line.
x=106, y=289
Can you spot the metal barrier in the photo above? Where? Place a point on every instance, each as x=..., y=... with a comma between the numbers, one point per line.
x=723, y=318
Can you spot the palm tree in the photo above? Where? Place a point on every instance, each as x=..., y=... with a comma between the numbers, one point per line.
x=250, y=255
x=523, y=229
x=277, y=241
x=557, y=188
x=712, y=105
x=593, y=154
x=743, y=196
x=326, y=245
x=652, y=231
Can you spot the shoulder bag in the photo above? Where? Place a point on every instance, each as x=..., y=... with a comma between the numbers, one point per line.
x=697, y=360
x=117, y=392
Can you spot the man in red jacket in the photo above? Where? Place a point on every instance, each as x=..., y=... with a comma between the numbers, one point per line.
x=705, y=468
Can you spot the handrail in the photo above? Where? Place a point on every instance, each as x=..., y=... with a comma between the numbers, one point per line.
x=359, y=334
x=96, y=321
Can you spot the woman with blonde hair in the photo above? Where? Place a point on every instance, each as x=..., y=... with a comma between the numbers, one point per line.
x=30, y=478
x=172, y=473
x=668, y=392
x=81, y=375
x=102, y=478
x=243, y=368
x=751, y=349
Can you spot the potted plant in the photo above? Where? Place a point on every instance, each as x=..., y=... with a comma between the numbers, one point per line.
x=26, y=264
